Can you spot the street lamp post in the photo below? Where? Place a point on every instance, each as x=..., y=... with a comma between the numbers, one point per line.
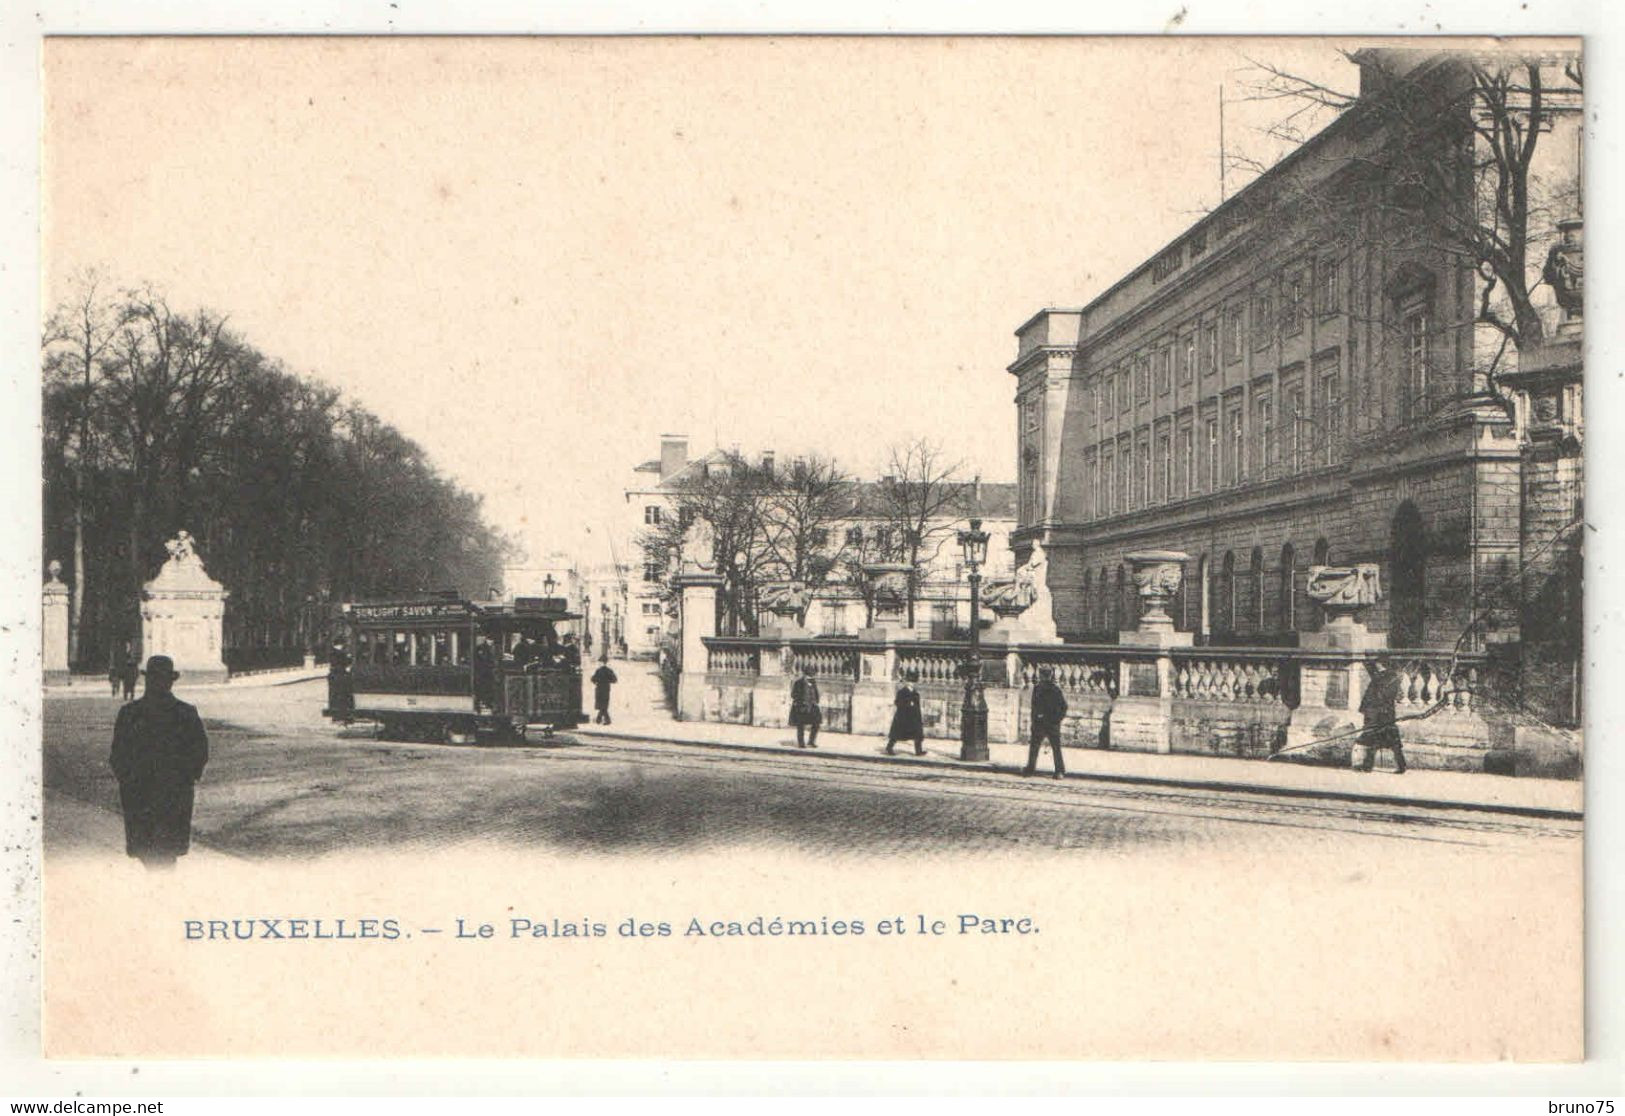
x=973, y=716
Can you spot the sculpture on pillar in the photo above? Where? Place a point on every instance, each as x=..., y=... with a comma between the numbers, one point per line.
x=56, y=619
x=1565, y=271
x=788, y=601
x=1024, y=606
x=1344, y=591
x=183, y=613
x=698, y=553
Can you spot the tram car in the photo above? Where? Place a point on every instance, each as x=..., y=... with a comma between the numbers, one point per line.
x=449, y=669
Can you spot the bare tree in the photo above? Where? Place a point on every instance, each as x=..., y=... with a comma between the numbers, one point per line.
x=803, y=506
x=1458, y=170
x=77, y=335
x=919, y=498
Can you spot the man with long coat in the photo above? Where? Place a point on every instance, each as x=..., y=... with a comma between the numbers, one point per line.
x=1049, y=708
x=1379, y=709
x=159, y=751
x=602, y=679
x=906, y=722
x=805, y=711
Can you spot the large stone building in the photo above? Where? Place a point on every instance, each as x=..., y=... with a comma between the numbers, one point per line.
x=1305, y=376
x=942, y=596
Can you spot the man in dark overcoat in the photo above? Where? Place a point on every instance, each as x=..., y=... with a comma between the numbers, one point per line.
x=159, y=750
x=805, y=711
x=602, y=679
x=340, y=682
x=132, y=670
x=1049, y=708
x=906, y=722
x=1379, y=709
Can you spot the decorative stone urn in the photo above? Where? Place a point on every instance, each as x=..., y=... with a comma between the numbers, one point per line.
x=1344, y=592
x=183, y=614
x=55, y=600
x=889, y=582
x=1158, y=574
x=788, y=602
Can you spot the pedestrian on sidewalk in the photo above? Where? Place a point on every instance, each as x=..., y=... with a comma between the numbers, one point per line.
x=115, y=670
x=132, y=671
x=602, y=679
x=159, y=751
x=906, y=722
x=1379, y=708
x=805, y=711
x=1049, y=708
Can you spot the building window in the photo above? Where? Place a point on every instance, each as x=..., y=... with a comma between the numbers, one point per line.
x=1165, y=373
x=1165, y=467
x=1210, y=433
x=1287, y=604
x=651, y=608
x=651, y=514
x=1187, y=461
x=835, y=618
x=1256, y=588
x=1091, y=485
x=1329, y=425
x=1263, y=317
x=820, y=537
x=883, y=539
x=1104, y=485
x=1264, y=432
x=651, y=571
x=1292, y=415
x=1210, y=348
x=1187, y=357
x=1415, y=333
x=1142, y=378
x=1233, y=467
x=854, y=536
x=1125, y=476
x=1327, y=294
x=1145, y=472
x=1292, y=302
x=1234, y=329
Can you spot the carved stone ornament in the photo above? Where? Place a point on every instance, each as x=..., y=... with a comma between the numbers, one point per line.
x=788, y=598
x=1344, y=589
x=1158, y=574
x=1565, y=268
x=54, y=568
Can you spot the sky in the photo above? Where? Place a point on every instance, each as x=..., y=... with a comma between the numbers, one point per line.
x=535, y=256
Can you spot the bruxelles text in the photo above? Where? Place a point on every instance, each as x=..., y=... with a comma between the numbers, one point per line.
x=463, y=929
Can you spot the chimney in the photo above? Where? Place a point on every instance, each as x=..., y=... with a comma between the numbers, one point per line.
x=767, y=462
x=673, y=453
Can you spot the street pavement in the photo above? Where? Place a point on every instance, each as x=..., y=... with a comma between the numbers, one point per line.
x=283, y=782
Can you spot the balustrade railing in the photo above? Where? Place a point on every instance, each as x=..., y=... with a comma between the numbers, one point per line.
x=1447, y=683
x=823, y=661
x=1076, y=670
x=1208, y=675
x=732, y=658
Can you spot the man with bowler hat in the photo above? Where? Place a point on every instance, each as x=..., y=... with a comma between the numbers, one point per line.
x=906, y=721
x=1049, y=708
x=159, y=750
x=806, y=714
x=602, y=679
x=1378, y=708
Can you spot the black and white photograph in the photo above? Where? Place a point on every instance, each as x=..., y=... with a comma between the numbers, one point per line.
x=813, y=547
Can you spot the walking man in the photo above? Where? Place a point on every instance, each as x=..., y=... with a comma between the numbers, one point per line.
x=1049, y=707
x=159, y=750
x=1379, y=709
x=602, y=679
x=805, y=711
x=906, y=722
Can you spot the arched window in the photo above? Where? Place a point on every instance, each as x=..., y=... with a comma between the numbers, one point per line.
x=1125, y=602
x=1255, y=586
x=1407, y=565
x=1323, y=552
x=1088, y=598
x=1287, y=602
x=1227, y=592
x=1204, y=585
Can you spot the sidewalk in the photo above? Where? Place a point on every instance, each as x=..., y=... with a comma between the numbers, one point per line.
x=90, y=685
x=639, y=712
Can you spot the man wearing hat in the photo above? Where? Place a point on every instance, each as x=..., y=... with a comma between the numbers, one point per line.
x=906, y=720
x=159, y=749
x=1049, y=709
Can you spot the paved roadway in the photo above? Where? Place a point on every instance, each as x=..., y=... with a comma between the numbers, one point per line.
x=283, y=783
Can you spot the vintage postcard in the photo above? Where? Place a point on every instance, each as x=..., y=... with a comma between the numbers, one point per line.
x=813, y=547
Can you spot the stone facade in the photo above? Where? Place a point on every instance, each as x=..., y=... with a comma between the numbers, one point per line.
x=1289, y=384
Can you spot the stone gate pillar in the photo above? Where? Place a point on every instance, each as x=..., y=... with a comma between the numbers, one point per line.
x=1142, y=716
x=183, y=613
x=55, y=594
x=699, y=616
x=1329, y=689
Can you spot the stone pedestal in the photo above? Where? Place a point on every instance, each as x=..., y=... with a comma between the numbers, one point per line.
x=699, y=613
x=183, y=612
x=1328, y=718
x=1142, y=717
x=55, y=599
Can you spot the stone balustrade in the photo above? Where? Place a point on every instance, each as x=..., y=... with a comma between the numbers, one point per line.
x=1229, y=701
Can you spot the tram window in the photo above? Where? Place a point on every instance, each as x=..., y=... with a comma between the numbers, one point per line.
x=402, y=655
x=459, y=648
x=363, y=647
x=421, y=644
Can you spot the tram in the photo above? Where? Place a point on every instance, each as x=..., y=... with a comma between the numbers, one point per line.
x=445, y=668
